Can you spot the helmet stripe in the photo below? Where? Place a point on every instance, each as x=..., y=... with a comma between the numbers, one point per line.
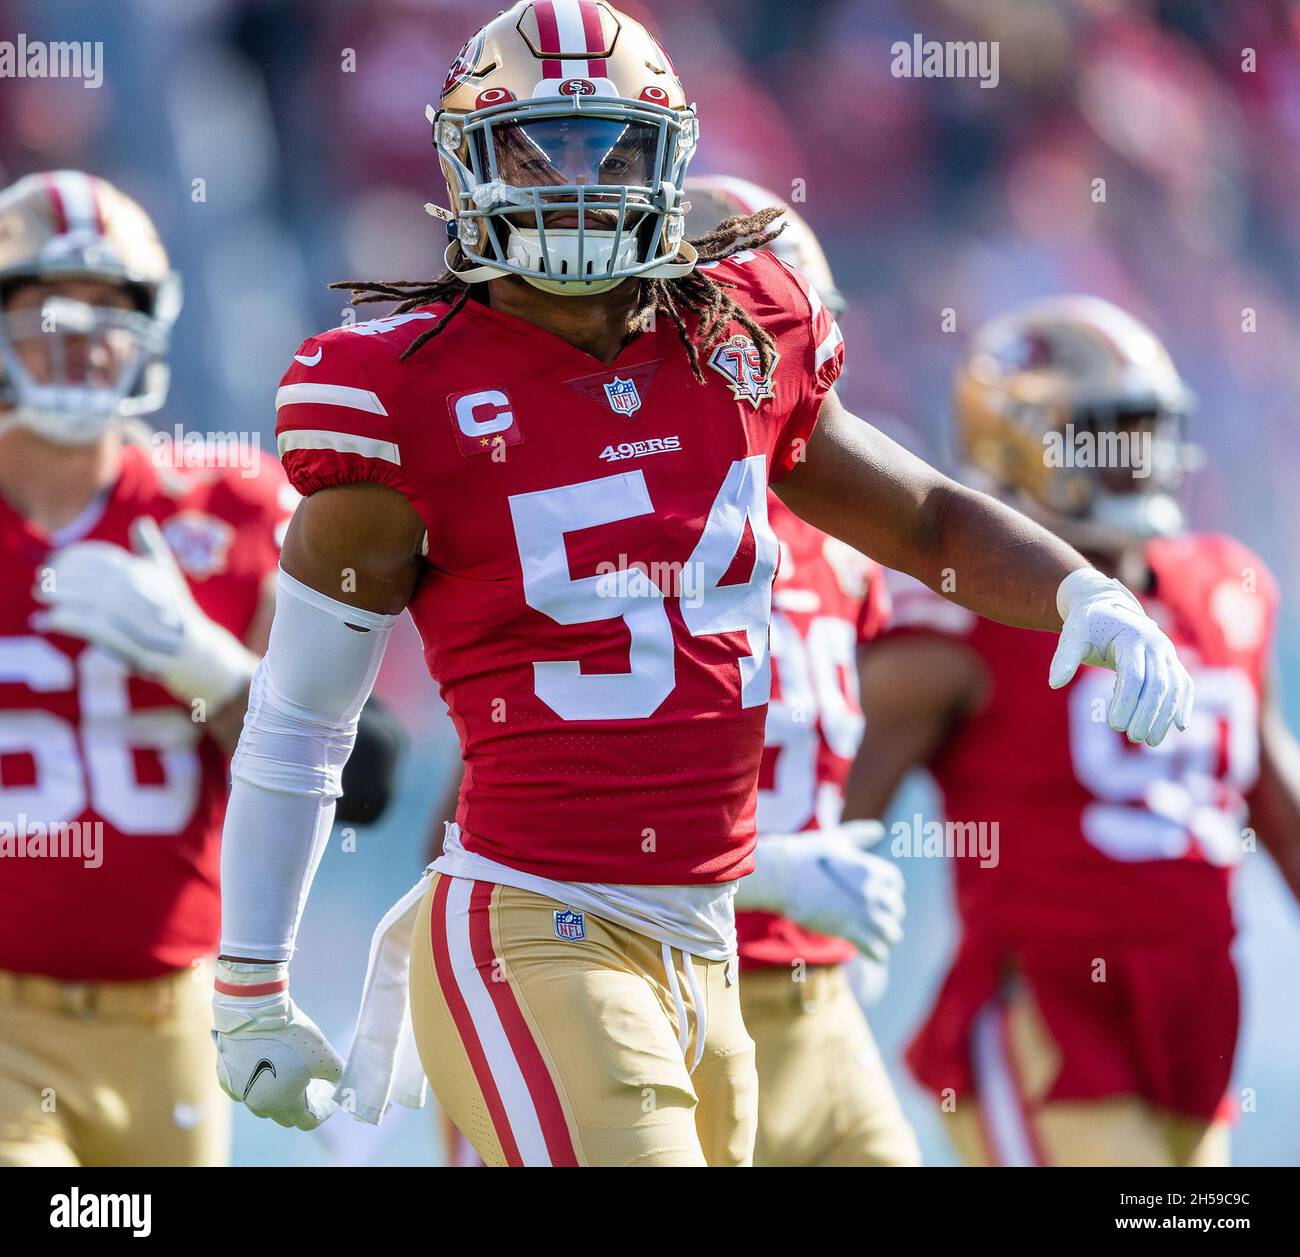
x=56, y=205
x=78, y=200
x=568, y=28
x=594, y=37
x=548, y=36
x=97, y=204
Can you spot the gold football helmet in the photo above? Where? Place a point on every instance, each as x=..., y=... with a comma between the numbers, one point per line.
x=1073, y=411
x=715, y=197
x=70, y=225
x=564, y=137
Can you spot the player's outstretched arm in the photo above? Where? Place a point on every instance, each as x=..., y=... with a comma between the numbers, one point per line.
x=856, y=484
x=349, y=565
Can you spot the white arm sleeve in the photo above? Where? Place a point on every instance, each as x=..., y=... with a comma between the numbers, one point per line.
x=303, y=706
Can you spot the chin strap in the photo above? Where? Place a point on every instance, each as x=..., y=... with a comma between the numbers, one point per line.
x=683, y=262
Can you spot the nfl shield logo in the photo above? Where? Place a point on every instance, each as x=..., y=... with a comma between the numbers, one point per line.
x=569, y=925
x=622, y=396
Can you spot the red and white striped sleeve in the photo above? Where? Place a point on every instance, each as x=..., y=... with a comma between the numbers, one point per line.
x=823, y=355
x=333, y=425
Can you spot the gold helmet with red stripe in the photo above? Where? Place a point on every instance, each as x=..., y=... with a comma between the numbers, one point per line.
x=564, y=136
x=713, y=198
x=67, y=225
x=1072, y=410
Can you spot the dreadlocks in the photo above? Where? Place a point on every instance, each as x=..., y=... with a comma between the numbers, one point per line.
x=697, y=294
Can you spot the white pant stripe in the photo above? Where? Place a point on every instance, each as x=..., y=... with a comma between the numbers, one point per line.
x=997, y=1091
x=521, y=1113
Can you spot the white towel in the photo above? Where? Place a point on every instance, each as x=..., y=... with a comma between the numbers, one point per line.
x=383, y=1065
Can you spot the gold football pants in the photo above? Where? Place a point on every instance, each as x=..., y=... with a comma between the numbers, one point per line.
x=824, y=1097
x=110, y=1073
x=553, y=1041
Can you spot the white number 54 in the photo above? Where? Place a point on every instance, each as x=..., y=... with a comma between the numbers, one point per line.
x=540, y=521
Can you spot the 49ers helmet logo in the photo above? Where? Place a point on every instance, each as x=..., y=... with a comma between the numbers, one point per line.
x=577, y=87
x=464, y=64
x=738, y=362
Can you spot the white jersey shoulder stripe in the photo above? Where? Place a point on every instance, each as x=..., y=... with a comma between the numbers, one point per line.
x=826, y=350
x=328, y=395
x=340, y=443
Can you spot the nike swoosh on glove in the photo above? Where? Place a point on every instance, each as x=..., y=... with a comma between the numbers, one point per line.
x=1105, y=626
x=825, y=880
x=139, y=607
x=271, y=1057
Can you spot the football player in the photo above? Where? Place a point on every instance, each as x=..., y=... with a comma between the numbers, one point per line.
x=139, y=596
x=824, y=1097
x=1090, y=1014
x=557, y=455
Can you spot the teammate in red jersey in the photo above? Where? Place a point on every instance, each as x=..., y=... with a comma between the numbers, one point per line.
x=824, y=1097
x=557, y=456
x=139, y=594
x=137, y=597
x=1090, y=1015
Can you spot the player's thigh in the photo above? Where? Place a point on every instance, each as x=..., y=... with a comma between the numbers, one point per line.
x=793, y=1115
x=726, y=1077
x=825, y=1097
x=174, y=1113
x=543, y=1050
x=869, y=1126
x=1196, y=1142
x=36, y=1091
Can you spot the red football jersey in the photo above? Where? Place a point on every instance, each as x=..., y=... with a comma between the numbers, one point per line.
x=595, y=607
x=827, y=600
x=1098, y=838
x=82, y=740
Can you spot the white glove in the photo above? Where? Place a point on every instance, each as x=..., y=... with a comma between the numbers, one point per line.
x=271, y=1057
x=139, y=607
x=868, y=980
x=1105, y=626
x=824, y=880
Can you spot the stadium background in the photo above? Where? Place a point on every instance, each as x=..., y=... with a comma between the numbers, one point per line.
x=927, y=193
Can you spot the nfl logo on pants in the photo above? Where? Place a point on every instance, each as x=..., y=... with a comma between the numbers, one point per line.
x=569, y=925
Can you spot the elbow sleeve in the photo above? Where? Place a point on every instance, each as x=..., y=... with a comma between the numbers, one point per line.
x=287, y=772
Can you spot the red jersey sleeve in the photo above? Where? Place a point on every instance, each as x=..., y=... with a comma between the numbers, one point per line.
x=874, y=612
x=809, y=347
x=334, y=425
